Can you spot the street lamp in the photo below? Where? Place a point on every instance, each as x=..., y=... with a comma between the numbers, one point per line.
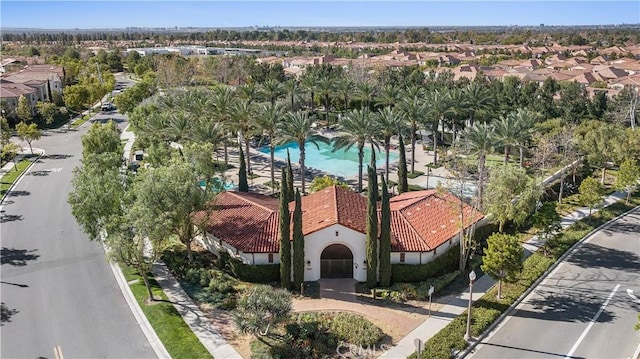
x=472, y=278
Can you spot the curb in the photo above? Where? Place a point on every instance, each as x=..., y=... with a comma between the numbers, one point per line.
x=540, y=279
x=15, y=183
x=151, y=335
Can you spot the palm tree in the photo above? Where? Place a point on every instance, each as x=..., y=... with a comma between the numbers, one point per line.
x=325, y=87
x=438, y=107
x=179, y=127
x=298, y=128
x=459, y=112
x=479, y=100
x=514, y=129
x=344, y=88
x=389, y=95
x=273, y=90
x=308, y=83
x=358, y=127
x=388, y=122
x=412, y=106
x=244, y=112
x=479, y=139
x=365, y=92
x=248, y=92
x=269, y=120
x=224, y=99
x=291, y=90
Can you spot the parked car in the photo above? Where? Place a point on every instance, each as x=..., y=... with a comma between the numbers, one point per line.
x=108, y=106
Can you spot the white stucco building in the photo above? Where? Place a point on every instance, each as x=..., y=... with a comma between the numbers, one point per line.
x=424, y=224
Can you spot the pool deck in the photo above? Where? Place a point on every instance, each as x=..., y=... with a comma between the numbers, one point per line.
x=260, y=167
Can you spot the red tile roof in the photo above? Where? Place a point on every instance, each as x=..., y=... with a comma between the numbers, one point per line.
x=420, y=221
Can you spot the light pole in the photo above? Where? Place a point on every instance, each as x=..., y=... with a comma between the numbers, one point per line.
x=472, y=278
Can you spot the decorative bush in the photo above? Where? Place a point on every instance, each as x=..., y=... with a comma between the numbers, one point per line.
x=407, y=273
x=255, y=273
x=355, y=329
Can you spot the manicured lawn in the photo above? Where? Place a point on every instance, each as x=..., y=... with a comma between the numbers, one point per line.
x=10, y=177
x=79, y=121
x=174, y=333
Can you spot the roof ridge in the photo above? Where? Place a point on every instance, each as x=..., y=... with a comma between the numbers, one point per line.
x=335, y=202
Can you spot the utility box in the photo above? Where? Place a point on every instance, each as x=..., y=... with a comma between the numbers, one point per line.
x=138, y=155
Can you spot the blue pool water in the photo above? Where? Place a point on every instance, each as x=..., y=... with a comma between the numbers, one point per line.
x=342, y=163
x=217, y=183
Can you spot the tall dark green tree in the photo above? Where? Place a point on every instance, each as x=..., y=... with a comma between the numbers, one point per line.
x=298, y=243
x=372, y=229
x=290, y=191
x=385, y=237
x=243, y=185
x=403, y=184
x=285, y=234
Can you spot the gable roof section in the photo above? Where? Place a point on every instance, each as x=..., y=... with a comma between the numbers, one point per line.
x=333, y=205
x=423, y=220
x=246, y=221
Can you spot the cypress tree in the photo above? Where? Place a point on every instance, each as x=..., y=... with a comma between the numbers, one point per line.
x=285, y=235
x=403, y=184
x=298, y=244
x=290, y=191
x=385, y=237
x=243, y=186
x=372, y=229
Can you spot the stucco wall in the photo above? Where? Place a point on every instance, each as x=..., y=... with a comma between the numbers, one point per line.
x=316, y=242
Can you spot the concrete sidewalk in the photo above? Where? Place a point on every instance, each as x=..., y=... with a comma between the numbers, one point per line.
x=439, y=319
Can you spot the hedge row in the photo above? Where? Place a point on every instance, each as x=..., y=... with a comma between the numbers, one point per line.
x=409, y=273
x=487, y=309
x=255, y=273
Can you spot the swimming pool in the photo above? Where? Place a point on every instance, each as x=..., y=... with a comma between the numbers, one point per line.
x=218, y=184
x=342, y=162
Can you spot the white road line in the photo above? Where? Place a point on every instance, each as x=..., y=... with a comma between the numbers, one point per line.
x=595, y=317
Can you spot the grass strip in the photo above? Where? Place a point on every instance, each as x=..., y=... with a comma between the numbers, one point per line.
x=10, y=177
x=174, y=333
x=487, y=309
x=80, y=121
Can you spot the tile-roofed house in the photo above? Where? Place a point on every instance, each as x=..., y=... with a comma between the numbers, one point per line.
x=11, y=92
x=246, y=225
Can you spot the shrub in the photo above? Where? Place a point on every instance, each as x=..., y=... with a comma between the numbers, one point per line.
x=355, y=329
x=416, y=174
x=255, y=273
x=407, y=273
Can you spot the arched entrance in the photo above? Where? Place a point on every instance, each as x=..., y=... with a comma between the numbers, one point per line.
x=336, y=261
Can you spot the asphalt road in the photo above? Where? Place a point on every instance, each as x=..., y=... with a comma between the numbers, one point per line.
x=57, y=288
x=582, y=310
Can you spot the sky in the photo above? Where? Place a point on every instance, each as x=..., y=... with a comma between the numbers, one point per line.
x=120, y=14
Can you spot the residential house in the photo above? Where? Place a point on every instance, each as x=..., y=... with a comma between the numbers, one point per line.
x=424, y=224
x=36, y=82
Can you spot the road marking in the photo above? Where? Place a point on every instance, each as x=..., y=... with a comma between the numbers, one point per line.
x=593, y=320
x=635, y=298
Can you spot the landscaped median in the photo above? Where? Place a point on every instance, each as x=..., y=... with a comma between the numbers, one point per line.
x=80, y=121
x=168, y=324
x=12, y=176
x=487, y=309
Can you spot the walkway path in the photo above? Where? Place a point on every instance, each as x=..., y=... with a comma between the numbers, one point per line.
x=458, y=305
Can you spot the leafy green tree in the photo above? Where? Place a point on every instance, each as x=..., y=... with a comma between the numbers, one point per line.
x=28, y=133
x=127, y=100
x=23, y=110
x=5, y=131
x=298, y=244
x=403, y=184
x=372, y=229
x=511, y=195
x=385, y=236
x=320, y=183
x=502, y=258
x=285, y=234
x=546, y=219
x=98, y=193
x=591, y=192
x=76, y=97
x=260, y=309
x=599, y=141
x=628, y=176
x=205, y=167
x=170, y=195
x=47, y=110
x=243, y=185
x=9, y=152
x=101, y=138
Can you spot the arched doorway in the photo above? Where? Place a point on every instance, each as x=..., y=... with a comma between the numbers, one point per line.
x=336, y=261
